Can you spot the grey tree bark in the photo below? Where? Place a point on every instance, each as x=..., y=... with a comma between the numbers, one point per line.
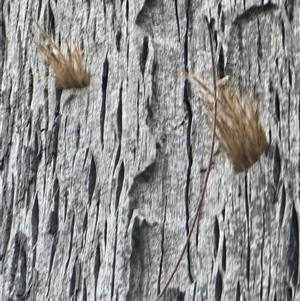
x=99, y=185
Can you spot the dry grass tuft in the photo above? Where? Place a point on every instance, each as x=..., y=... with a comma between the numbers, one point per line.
x=70, y=71
x=238, y=127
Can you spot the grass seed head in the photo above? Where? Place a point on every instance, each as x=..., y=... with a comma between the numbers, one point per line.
x=238, y=126
x=70, y=71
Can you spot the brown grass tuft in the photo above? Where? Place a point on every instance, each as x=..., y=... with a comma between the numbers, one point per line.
x=70, y=71
x=238, y=127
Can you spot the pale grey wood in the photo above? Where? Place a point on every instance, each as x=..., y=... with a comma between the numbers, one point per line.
x=99, y=185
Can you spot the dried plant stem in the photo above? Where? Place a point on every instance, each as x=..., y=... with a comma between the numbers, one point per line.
x=207, y=171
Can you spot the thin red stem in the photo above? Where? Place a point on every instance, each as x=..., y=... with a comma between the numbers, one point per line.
x=206, y=174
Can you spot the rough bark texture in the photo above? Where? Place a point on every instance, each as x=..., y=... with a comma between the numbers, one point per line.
x=98, y=185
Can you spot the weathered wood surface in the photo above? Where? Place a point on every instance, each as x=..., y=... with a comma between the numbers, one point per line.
x=98, y=185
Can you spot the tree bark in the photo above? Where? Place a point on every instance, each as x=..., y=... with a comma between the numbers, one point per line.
x=99, y=185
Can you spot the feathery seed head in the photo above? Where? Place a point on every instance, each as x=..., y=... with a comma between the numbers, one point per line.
x=70, y=71
x=238, y=126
